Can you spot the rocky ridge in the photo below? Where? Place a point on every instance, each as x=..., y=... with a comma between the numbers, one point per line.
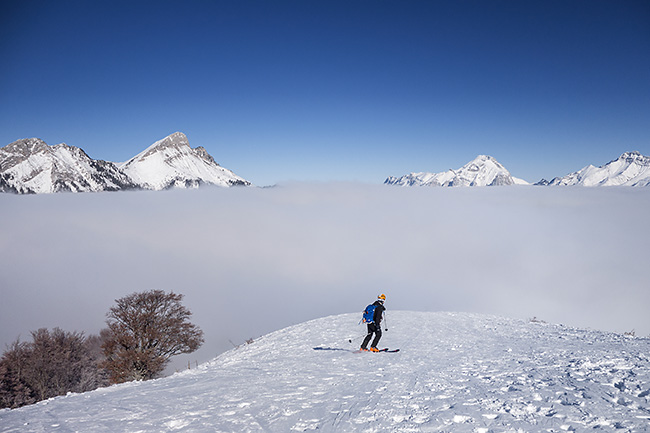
x=30, y=166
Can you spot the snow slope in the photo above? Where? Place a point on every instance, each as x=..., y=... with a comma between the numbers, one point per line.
x=630, y=169
x=171, y=162
x=482, y=171
x=455, y=372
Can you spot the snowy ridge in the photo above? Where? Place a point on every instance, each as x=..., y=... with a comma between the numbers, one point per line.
x=31, y=166
x=482, y=171
x=630, y=169
x=455, y=372
x=171, y=162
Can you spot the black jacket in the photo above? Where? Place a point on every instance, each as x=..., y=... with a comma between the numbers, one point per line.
x=379, y=311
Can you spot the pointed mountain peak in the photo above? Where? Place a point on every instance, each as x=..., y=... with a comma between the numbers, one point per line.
x=482, y=161
x=20, y=150
x=171, y=162
x=175, y=140
x=484, y=158
x=634, y=156
x=25, y=146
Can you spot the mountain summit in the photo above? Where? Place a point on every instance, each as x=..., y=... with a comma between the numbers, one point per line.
x=482, y=171
x=171, y=162
x=29, y=166
x=456, y=372
x=630, y=169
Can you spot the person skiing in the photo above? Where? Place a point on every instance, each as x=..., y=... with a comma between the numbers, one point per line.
x=374, y=326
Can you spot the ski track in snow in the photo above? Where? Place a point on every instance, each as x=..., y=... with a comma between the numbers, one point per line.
x=455, y=373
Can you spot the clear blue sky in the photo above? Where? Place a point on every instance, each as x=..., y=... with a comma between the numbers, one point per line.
x=329, y=90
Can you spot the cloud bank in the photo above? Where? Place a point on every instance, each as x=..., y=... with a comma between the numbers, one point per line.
x=251, y=260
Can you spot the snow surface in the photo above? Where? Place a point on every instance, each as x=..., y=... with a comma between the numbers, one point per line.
x=482, y=171
x=456, y=372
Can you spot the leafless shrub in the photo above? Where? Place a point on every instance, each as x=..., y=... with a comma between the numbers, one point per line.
x=54, y=363
x=15, y=390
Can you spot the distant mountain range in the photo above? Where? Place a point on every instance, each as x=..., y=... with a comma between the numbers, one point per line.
x=630, y=169
x=29, y=166
x=482, y=171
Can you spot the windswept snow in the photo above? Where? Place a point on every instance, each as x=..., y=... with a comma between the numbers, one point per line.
x=456, y=372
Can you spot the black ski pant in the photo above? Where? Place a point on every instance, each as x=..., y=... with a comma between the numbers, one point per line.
x=372, y=329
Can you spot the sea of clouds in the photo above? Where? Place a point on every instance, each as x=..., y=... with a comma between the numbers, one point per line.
x=253, y=260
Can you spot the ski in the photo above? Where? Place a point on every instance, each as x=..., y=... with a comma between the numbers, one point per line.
x=333, y=348
x=355, y=351
x=380, y=350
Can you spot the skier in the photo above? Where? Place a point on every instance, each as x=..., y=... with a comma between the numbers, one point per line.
x=374, y=326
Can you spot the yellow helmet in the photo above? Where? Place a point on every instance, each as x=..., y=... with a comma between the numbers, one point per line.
x=382, y=297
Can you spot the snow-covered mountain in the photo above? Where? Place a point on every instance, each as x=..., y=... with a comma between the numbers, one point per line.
x=482, y=171
x=31, y=166
x=456, y=372
x=171, y=162
x=630, y=169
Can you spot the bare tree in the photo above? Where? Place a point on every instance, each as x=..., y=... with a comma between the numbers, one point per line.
x=93, y=378
x=14, y=388
x=146, y=329
x=54, y=363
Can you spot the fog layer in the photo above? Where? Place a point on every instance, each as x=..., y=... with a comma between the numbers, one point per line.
x=252, y=260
